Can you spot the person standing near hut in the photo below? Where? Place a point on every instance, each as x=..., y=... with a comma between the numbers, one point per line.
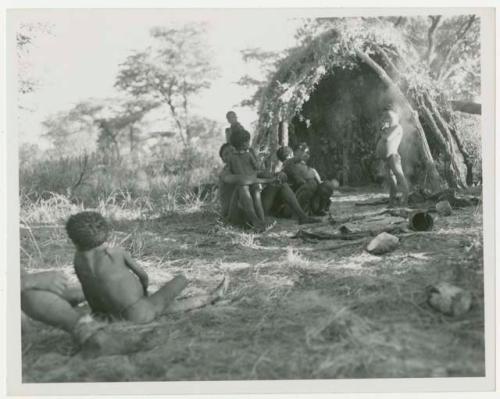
x=387, y=150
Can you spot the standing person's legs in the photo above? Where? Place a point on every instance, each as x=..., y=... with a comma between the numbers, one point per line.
x=395, y=166
x=391, y=182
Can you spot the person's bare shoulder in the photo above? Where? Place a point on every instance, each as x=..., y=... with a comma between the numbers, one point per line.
x=118, y=254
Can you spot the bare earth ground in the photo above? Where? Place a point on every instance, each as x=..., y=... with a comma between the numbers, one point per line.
x=295, y=309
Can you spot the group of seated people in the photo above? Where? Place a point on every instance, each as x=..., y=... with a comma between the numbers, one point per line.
x=116, y=287
x=251, y=197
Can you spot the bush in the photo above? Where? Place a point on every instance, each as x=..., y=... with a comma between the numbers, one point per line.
x=162, y=183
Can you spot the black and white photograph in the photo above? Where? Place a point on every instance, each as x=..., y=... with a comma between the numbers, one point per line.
x=248, y=195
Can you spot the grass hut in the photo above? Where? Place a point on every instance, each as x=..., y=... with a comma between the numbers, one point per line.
x=330, y=93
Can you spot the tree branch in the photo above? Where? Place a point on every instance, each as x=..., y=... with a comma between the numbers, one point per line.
x=435, y=20
x=461, y=32
x=168, y=98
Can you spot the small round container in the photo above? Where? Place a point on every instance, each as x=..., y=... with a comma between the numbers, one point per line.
x=420, y=221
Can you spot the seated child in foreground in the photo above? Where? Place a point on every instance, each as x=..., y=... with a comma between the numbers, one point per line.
x=312, y=193
x=114, y=285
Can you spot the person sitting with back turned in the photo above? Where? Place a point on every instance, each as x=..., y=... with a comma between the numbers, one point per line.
x=115, y=286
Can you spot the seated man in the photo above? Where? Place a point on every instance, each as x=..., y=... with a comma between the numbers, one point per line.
x=312, y=193
x=238, y=206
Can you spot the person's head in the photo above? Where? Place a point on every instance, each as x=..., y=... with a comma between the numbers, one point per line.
x=302, y=152
x=87, y=230
x=231, y=117
x=389, y=118
x=225, y=152
x=240, y=139
x=284, y=153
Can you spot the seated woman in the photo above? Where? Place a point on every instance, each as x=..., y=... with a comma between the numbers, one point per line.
x=312, y=193
x=238, y=205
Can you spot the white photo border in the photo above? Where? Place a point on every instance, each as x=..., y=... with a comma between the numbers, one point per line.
x=487, y=383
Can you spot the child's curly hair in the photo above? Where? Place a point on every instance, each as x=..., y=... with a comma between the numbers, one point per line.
x=239, y=137
x=87, y=230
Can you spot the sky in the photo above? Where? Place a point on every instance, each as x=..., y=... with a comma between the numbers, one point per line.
x=81, y=57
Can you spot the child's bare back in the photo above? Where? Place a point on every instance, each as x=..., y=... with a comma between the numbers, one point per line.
x=108, y=282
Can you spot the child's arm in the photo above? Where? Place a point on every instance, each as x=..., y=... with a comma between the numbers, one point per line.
x=257, y=164
x=139, y=271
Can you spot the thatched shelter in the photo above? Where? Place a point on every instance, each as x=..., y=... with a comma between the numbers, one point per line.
x=330, y=93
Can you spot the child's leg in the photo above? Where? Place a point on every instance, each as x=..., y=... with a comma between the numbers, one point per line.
x=185, y=304
x=397, y=169
x=49, y=308
x=241, y=210
x=391, y=181
x=255, y=190
x=148, y=308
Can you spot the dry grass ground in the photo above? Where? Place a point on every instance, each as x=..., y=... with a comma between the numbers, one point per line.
x=295, y=308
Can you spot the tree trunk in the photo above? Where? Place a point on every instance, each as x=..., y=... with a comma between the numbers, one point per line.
x=435, y=181
x=273, y=146
x=283, y=134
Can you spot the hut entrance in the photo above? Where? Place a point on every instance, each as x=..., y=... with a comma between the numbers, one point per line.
x=339, y=123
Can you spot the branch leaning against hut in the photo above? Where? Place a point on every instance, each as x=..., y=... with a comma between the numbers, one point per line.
x=449, y=137
x=452, y=174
